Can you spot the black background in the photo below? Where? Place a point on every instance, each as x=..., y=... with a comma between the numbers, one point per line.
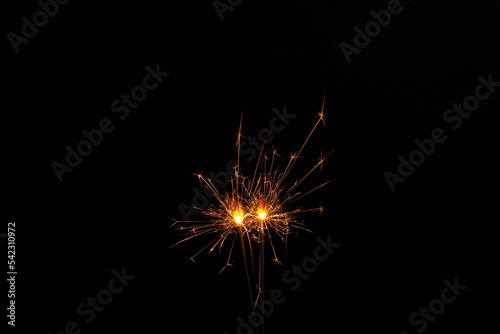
x=115, y=209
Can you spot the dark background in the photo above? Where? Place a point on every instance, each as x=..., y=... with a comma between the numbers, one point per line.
x=115, y=209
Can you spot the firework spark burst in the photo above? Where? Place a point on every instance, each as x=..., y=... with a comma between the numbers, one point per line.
x=256, y=210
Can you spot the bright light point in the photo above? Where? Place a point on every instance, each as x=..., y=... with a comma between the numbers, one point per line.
x=262, y=213
x=238, y=217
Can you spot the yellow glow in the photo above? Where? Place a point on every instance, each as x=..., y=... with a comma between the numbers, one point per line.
x=262, y=213
x=238, y=216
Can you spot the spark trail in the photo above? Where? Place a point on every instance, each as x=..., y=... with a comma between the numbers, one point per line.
x=255, y=210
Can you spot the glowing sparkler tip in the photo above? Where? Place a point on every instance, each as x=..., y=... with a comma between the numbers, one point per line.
x=262, y=213
x=238, y=217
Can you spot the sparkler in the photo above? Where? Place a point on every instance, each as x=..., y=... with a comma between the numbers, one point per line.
x=255, y=210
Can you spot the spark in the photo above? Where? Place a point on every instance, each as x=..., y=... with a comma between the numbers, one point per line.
x=257, y=209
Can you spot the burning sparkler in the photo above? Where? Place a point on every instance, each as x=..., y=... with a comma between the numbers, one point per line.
x=255, y=210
